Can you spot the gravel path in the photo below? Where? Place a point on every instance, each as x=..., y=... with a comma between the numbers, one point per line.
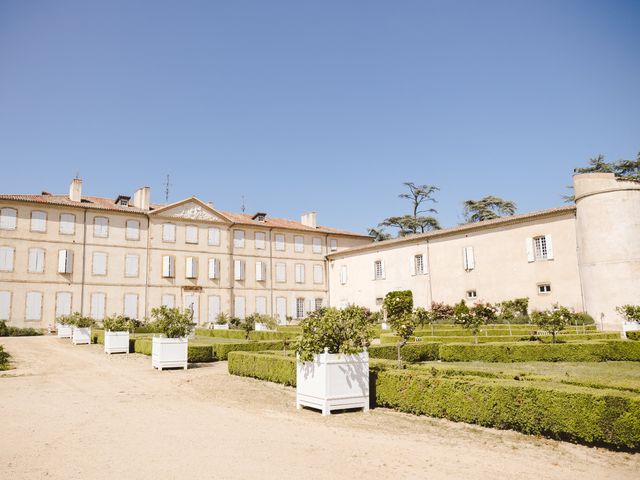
x=72, y=412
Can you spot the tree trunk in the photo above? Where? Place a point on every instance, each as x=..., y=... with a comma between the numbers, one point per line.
x=400, y=345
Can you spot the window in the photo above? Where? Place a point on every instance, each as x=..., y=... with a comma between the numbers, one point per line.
x=238, y=307
x=6, y=259
x=418, y=265
x=131, y=262
x=260, y=240
x=191, y=234
x=168, y=300
x=318, y=303
x=333, y=245
x=191, y=267
x=281, y=309
x=101, y=227
x=471, y=294
x=8, y=218
x=299, y=273
x=238, y=239
x=379, y=301
x=132, y=230
x=317, y=274
x=298, y=243
x=130, y=305
x=214, y=236
x=214, y=308
x=378, y=270
x=343, y=275
x=33, y=310
x=316, y=245
x=539, y=248
x=544, y=288
x=63, y=303
x=168, y=232
x=36, y=260
x=280, y=242
x=65, y=261
x=168, y=266
x=98, y=301
x=261, y=305
x=299, y=307
x=38, y=221
x=281, y=272
x=261, y=271
x=5, y=305
x=67, y=224
x=468, y=259
x=99, y=264
x=192, y=302
x=238, y=269
x=214, y=269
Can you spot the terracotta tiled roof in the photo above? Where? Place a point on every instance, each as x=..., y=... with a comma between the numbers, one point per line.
x=469, y=227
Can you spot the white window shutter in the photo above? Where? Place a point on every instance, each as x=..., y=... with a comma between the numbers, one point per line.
x=261, y=305
x=310, y=306
x=383, y=270
x=63, y=303
x=471, y=261
x=168, y=300
x=5, y=305
x=65, y=261
x=412, y=265
x=530, y=251
x=6, y=259
x=34, y=306
x=97, y=306
x=131, y=305
x=549, y=247
x=8, y=219
x=214, y=236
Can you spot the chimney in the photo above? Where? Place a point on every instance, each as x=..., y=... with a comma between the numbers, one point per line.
x=75, y=190
x=309, y=219
x=142, y=198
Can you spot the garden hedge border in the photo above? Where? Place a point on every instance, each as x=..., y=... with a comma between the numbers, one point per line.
x=240, y=334
x=411, y=352
x=263, y=366
x=4, y=359
x=387, y=339
x=633, y=335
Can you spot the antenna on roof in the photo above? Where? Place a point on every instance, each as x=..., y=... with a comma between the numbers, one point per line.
x=167, y=184
x=242, y=207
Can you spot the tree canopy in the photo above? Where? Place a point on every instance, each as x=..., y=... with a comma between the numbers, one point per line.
x=487, y=208
x=416, y=221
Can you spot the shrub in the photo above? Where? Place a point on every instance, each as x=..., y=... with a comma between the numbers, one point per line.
x=199, y=353
x=340, y=331
x=410, y=352
x=421, y=316
x=4, y=359
x=76, y=319
x=221, y=350
x=573, y=413
x=631, y=313
x=264, y=366
x=514, y=311
x=633, y=335
x=222, y=318
x=441, y=313
x=398, y=303
x=10, y=331
x=172, y=322
x=119, y=323
x=554, y=320
x=466, y=317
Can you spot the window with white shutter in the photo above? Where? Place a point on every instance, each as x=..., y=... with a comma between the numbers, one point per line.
x=540, y=247
x=213, y=308
x=33, y=310
x=101, y=227
x=298, y=243
x=131, y=262
x=333, y=245
x=238, y=269
x=130, y=305
x=238, y=239
x=378, y=270
x=99, y=264
x=63, y=304
x=192, y=302
x=261, y=271
x=299, y=273
x=318, y=303
x=65, y=261
x=318, y=273
x=468, y=258
x=260, y=240
x=238, y=308
x=191, y=234
x=191, y=270
x=38, y=221
x=300, y=308
x=98, y=301
x=67, y=224
x=168, y=266
x=214, y=269
x=8, y=218
x=6, y=259
x=261, y=305
x=281, y=309
x=343, y=275
x=132, y=230
x=5, y=305
x=280, y=242
x=168, y=232
x=281, y=272
x=168, y=300
x=317, y=245
x=214, y=236
x=36, y=260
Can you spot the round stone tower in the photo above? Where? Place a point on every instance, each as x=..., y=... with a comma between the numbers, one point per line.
x=608, y=235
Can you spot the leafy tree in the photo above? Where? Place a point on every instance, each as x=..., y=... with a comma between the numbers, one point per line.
x=378, y=234
x=487, y=208
x=554, y=320
x=422, y=316
x=173, y=322
x=631, y=313
x=596, y=164
x=419, y=195
x=510, y=310
x=485, y=311
x=466, y=317
x=119, y=323
x=623, y=169
x=399, y=308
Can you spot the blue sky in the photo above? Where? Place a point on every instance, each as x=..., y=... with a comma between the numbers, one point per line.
x=325, y=106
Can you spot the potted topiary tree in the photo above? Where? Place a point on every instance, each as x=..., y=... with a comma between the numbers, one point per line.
x=332, y=371
x=64, y=325
x=264, y=323
x=222, y=322
x=171, y=349
x=116, y=333
x=81, y=334
x=631, y=314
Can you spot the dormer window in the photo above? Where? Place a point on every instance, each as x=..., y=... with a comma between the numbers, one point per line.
x=123, y=200
x=259, y=217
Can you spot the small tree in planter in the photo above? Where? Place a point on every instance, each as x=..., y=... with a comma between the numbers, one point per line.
x=64, y=325
x=554, y=320
x=399, y=307
x=466, y=317
x=81, y=334
x=332, y=362
x=171, y=349
x=631, y=314
x=263, y=323
x=222, y=321
x=116, y=333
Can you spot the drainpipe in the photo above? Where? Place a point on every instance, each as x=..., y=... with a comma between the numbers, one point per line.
x=429, y=273
x=146, y=275
x=271, y=270
x=326, y=269
x=231, y=280
x=84, y=257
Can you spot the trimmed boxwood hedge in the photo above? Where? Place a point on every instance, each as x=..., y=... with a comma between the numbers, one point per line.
x=619, y=350
x=599, y=417
x=387, y=339
x=634, y=335
x=240, y=334
x=264, y=366
x=221, y=350
x=411, y=352
x=4, y=359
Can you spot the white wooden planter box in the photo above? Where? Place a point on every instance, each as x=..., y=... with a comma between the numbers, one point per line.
x=385, y=326
x=169, y=353
x=116, y=342
x=630, y=327
x=64, y=331
x=262, y=327
x=81, y=336
x=221, y=327
x=333, y=381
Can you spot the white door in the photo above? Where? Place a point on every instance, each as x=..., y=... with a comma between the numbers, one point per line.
x=191, y=302
x=281, y=310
